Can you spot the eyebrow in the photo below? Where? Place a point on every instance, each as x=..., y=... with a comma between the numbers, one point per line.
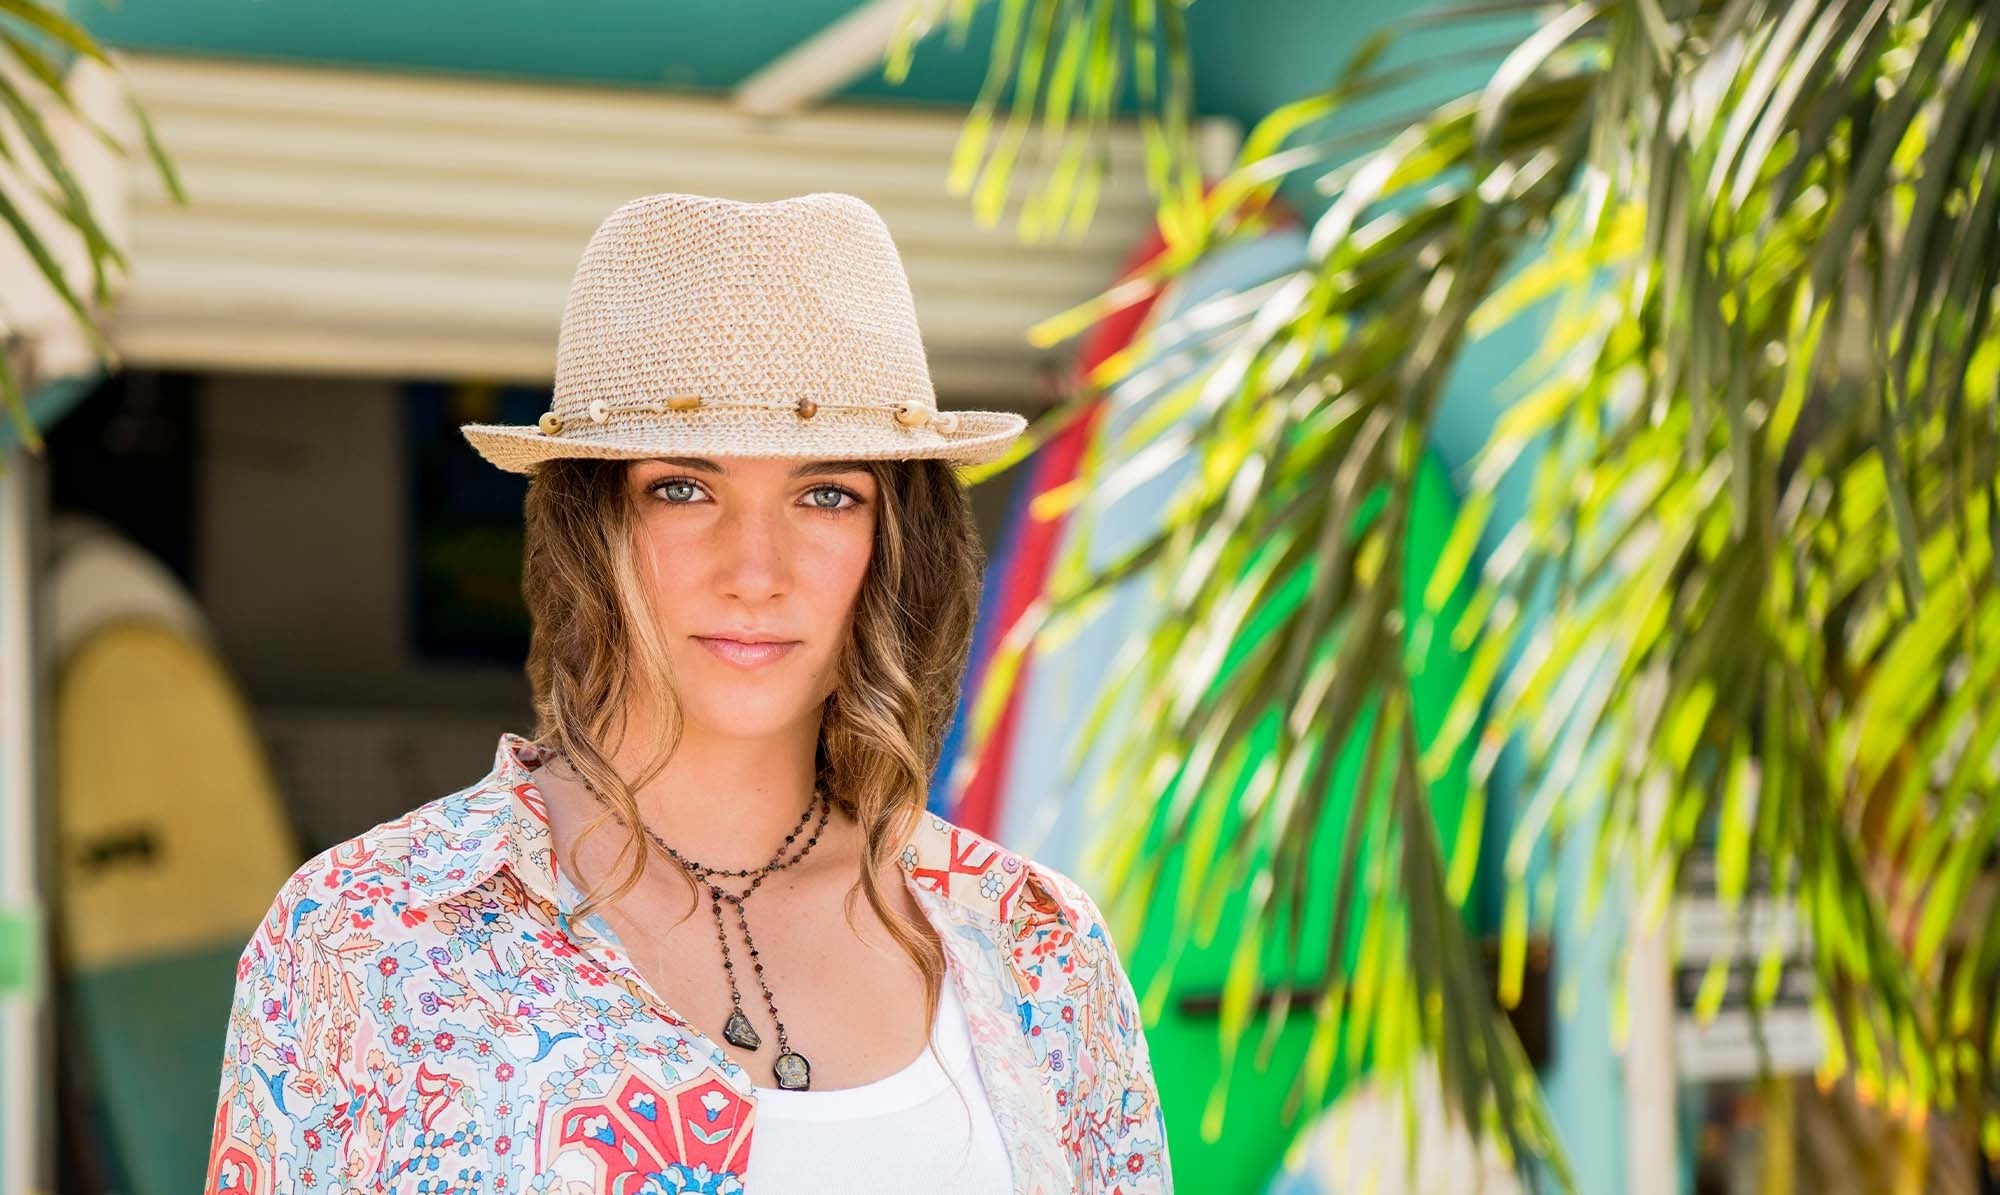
x=803, y=469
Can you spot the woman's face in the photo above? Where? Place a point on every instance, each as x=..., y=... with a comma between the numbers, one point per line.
x=742, y=549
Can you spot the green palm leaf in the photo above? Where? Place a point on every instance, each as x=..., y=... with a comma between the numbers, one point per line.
x=36, y=37
x=1762, y=524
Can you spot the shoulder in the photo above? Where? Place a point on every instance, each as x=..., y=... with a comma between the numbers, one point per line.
x=369, y=884
x=1026, y=895
x=362, y=883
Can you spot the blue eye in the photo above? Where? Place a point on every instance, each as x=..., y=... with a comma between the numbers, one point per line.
x=854, y=500
x=663, y=483
x=841, y=491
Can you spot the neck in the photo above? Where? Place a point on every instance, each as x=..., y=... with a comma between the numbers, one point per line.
x=727, y=802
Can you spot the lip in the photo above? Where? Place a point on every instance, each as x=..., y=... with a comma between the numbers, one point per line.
x=747, y=653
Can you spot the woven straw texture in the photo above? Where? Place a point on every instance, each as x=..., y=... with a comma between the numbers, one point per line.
x=790, y=321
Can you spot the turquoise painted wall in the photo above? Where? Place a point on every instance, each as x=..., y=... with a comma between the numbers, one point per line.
x=637, y=43
x=1250, y=55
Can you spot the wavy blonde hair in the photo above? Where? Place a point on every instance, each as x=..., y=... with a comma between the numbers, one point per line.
x=594, y=648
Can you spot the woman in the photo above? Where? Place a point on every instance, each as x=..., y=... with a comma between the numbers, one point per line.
x=699, y=933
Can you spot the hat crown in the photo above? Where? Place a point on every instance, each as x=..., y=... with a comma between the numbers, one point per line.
x=734, y=301
x=699, y=325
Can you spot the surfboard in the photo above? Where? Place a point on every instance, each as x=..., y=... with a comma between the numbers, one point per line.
x=171, y=839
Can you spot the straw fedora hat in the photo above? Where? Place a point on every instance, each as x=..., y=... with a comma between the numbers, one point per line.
x=698, y=326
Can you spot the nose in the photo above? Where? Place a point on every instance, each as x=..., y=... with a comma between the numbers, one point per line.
x=754, y=555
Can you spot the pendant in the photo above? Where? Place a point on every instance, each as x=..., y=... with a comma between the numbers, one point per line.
x=740, y=1032
x=794, y=1074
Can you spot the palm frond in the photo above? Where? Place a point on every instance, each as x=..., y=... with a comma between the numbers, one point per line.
x=34, y=37
x=1755, y=580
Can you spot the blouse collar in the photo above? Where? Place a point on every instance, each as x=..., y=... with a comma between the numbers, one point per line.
x=460, y=840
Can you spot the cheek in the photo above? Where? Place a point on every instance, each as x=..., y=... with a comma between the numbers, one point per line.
x=666, y=566
x=844, y=565
x=830, y=577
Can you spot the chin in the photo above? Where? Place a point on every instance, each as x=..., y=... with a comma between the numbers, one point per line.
x=746, y=713
x=725, y=700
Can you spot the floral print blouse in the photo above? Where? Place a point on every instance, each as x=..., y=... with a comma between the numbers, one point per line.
x=412, y=1015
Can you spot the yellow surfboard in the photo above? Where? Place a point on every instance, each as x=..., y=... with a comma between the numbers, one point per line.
x=171, y=839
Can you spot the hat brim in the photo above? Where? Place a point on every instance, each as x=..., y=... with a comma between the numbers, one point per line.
x=980, y=436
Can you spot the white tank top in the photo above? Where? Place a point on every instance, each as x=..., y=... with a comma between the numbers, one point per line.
x=905, y=1132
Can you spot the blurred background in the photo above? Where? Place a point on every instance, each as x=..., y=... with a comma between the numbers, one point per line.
x=1499, y=594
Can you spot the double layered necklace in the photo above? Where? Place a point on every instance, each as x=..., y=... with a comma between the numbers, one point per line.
x=793, y=1071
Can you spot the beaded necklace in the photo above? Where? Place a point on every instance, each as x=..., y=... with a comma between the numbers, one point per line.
x=793, y=1071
